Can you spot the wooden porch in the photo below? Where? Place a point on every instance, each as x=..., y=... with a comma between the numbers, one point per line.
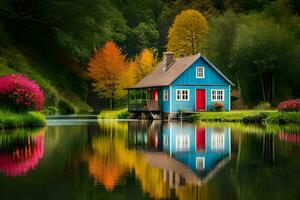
x=141, y=100
x=149, y=105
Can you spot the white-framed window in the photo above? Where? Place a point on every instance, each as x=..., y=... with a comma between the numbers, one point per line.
x=182, y=95
x=200, y=162
x=166, y=95
x=217, y=95
x=199, y=72
x=218, y=139
x=182, y=142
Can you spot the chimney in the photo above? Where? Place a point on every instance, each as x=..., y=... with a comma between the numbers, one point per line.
x=168, y=60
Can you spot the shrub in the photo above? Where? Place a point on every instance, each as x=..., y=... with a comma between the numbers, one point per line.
x=218, y=106
x=20, y=93
x=257, y=118
x=65, y=107
x=124, y=115
x=51, y=110
x=263, y=106
x=291, y=105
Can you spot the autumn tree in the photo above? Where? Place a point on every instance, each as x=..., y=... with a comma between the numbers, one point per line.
x=143, y=64
x=108, y=69
x=187, y=32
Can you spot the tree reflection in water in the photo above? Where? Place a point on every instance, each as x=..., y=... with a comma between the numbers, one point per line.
x=118, y=151
x=110, y=159
x=20, y=151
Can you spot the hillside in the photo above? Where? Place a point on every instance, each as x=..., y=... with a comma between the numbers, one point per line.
x=64, y=90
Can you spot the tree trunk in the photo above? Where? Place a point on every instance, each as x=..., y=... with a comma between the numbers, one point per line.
x=273, y=88
x=193, y=46
x=111, y=102
x=263, y=87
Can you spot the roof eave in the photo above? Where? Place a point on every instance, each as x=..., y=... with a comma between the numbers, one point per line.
x=217, y=70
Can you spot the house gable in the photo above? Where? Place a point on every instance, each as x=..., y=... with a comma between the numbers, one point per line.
x=211, y=75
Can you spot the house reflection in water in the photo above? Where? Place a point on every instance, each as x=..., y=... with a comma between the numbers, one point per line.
x=187, y=153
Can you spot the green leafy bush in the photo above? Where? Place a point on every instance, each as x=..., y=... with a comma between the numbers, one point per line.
x=51, y=110
x=263, y=106
x=9, y=119
x=258, y=118
x=65, y=107
x=124, y=115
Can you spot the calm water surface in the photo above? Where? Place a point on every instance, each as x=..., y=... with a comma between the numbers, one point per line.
x=84, y=159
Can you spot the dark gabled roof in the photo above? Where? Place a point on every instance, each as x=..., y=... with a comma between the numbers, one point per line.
x=158, y=78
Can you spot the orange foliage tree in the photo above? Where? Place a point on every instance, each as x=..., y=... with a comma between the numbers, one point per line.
x=109, y=71
x=143, y=64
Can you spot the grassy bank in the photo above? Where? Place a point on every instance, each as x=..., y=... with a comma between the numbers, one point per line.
x=248, y=116
x=114, y=114
x=10, y=119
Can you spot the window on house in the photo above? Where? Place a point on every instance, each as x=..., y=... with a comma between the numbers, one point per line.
x=199, y=72
x=218, y=139
x=183, y=142
x=217, y=95
x=166, y=95
x=200, y=162
x=182, y=95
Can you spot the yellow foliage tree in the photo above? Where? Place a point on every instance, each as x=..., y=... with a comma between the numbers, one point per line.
x=143, y=64
x=187, y=32
x=108, y=69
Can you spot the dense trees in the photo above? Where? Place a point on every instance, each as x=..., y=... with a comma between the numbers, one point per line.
x=257, y=51
x=265, y=51
x=187, y=32
x=252, y=54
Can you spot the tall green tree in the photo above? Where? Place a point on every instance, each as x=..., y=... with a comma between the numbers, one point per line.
x=220, y=39
x=263, y=53
x=187, y=32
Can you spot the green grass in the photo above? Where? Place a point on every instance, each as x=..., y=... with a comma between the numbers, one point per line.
x=9, y=119
x=283, y=117
x=228, y=116
x=256, y=116
x=114, y=114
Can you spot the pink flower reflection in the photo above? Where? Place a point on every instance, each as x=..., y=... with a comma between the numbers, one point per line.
x=22, y=160
x=289, y=137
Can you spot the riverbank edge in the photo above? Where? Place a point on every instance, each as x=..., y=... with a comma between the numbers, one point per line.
x=245, y=116
x=10, y=119
x=248, y=116
x=121, y=113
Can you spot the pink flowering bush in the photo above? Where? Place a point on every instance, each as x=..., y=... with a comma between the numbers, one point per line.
x=291, y=105
x=218, y=106
x=19, y=92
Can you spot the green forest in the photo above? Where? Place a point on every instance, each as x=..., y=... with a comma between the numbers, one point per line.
x=256, y=43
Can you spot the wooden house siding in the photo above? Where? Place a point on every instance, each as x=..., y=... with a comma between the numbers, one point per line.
x=211, y=77
x=191, y=104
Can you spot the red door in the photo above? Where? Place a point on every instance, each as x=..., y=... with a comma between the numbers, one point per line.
x=200, y=99
x=200, y=139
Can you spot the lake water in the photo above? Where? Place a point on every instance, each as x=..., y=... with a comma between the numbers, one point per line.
x=86, y=159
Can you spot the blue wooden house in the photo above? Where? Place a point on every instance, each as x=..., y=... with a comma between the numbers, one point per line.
x=190, y=83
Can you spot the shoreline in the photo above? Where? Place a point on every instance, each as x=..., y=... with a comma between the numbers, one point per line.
x=244, y=116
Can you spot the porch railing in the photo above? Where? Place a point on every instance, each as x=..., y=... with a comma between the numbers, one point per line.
x=149, y=105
